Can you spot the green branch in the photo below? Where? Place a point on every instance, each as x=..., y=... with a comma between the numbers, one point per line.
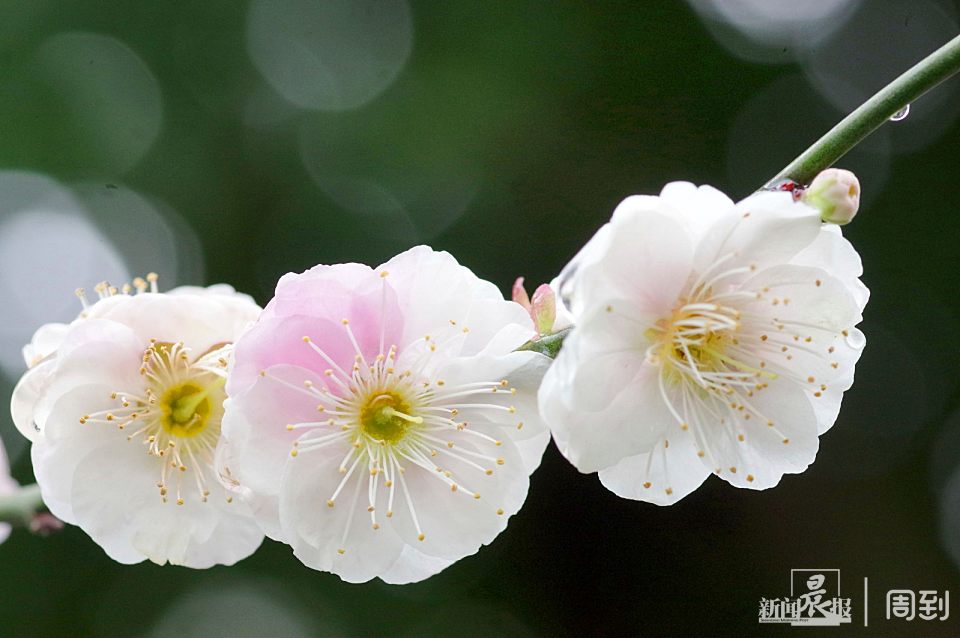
x=850, y=131
x=890, y=100
x=20, y=507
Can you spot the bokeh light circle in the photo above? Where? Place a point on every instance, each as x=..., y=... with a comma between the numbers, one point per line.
x=110, y=100
x=772, y=31
x=49, y=247
x=332, y=55
x=148, y=234
x=239, y=608
x=419, y=189
x=884, y=39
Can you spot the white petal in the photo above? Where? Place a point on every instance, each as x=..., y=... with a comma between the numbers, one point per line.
x=564, y=317
x=44, y=343
x=255, y=425
x=630, y=424
x=109, y=509
x=495, y=327
x=609, y=349
x=112, y=364
x=699, y=207
x=832, y=252
x=662, y=476
x=804, y=294
x=65, y=442
x=822, y=348
x=827, y=405
x=762, y=230
x=454, y=523
x=199, y=321
x=26, y=397
x=114, y=361
x=129, y=520
x=531, y=449
x=413, y=566
x=235, y=537
x=434, y=289
x=779, y=437
x=524, y=372
x=261, y=507
x=648, y=260
x=569, y=293
x=317, y=532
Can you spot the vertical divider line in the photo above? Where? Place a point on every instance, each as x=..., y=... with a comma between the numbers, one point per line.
x=865, y=624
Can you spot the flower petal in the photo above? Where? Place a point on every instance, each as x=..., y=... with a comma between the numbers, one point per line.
x=435, y=290
x=371, y=312
x=762, y=230
x=26, y=397
x=775, y=435
x=317, y=532
x=699, y=207
x=65, y=442
x=662, y=476
x=413, y=566
x=45, y=342
x=648, y=259
x=630, y=424
x=255, y=424
x=454, y=523
x=129, y=520
x=202, y=322
x=832, y=252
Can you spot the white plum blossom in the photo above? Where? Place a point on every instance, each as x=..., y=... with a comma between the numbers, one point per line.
x=380, y=420
x=711, y=337
x=123, y=407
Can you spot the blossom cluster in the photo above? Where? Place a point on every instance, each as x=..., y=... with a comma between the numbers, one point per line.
x=384, y=422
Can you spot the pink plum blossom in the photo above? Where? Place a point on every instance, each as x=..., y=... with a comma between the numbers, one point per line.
x=380, y=421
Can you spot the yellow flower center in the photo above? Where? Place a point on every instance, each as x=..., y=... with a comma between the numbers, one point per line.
x=386, y=417
x=185, y=407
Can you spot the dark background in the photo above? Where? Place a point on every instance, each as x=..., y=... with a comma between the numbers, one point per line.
x=226, y=141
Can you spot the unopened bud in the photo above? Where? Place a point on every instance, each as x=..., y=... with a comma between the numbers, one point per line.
x=542, y=308
x=836, y=194
x=520, y=294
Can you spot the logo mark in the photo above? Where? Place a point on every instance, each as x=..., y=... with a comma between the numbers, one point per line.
x=814, y=600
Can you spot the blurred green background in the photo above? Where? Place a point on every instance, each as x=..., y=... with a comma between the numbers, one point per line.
x=235, y=141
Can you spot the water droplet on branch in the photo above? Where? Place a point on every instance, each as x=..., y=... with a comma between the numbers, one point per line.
x=901, y=114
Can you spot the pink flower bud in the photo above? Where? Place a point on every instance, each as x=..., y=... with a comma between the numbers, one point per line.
x=544, y=309
x=520, y=293
x=836, y=194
